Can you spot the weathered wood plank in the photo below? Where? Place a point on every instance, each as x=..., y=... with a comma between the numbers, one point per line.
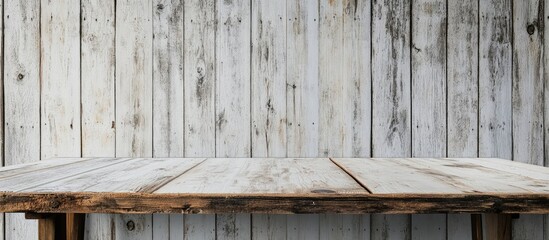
x=27, y=180
x=274, y=203
x=60, y=79
x=462, y=78
x=19, y=169
x=268, y=98
x=344, y=91
x=232, y=98
x=200, y=69
x=429, y=133
x=495, y=79
x=302, y=46
x=97, y=42
x=134, y=90
x=463, y=94
x=98, y=69
x=528, y=145
x=134, y=175
x=168, y=127
x=302, y=97
x=168, y=95
x=21, y=96
x=263, y=175
x=391, y=99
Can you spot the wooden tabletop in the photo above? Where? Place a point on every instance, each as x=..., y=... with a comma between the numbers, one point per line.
x=274, y=185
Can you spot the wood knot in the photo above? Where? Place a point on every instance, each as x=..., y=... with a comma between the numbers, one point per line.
x=160, y=6
x=20, y=76
x=531, y=28
x=130, y=225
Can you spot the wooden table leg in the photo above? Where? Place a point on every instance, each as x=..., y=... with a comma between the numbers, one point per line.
x=75, y=226
x=59, y=226
x=476, y=226
x=498, y=226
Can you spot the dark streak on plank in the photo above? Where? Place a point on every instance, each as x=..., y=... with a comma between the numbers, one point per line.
x=133, y=203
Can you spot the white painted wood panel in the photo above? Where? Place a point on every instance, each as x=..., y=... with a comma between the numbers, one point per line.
x=268, y=98
x=429, y=98
x=528, y=83
x=232, y=92
x=200, y=81
x=97, y=42
x=168, y=97
x=21, y=99
x=344, y=125
x=391, y=98
x=495, y=79
x=462, y=95
x=60, y=79
x=134, y=104
x=302, y=98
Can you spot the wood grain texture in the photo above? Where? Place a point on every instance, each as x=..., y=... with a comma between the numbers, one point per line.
x=268, y=98
x=21, y=99
x=232, y=98
x=200, y=82
x=495, y=78
x=139, y=203
x=391, y=98
x=528, y=145
x=462, y=119
x=429, y=132
x=344, y=89
x=168, y=95
x=302, y=97
x=98, y=69
x=134, y=104
x=97, y=41
x=302, y=47
x=60, y=79
x=263, y=175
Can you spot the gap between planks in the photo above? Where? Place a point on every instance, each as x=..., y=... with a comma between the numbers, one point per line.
x=351, y=175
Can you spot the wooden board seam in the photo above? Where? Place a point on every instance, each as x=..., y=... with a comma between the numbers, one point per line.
x=351, y=175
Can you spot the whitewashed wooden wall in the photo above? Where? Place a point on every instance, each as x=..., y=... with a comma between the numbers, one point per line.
x=257, y=78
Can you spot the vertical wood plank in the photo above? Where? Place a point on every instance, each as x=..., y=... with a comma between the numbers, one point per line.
x=302, y=46
x=268, y=98
x=462, y=95
x=98, y=94
x=21, y=82
x=60, y=82
x=429, y=98
x=546, y=99
x=391, y=107
x=528, y=99
x=495, y=79
x=199, y=70
x=233, y=128
x=344, y=87
x=134, y=98
x=302, y=77
x=168, y=97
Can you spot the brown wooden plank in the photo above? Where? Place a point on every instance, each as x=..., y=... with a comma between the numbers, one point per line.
x=264, y=175
x=274, y=203
x=476, y=226
x=75, y=223
x=498, y=226
x=52, y=227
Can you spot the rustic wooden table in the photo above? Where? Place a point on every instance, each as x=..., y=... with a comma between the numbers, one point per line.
x=59, y=191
